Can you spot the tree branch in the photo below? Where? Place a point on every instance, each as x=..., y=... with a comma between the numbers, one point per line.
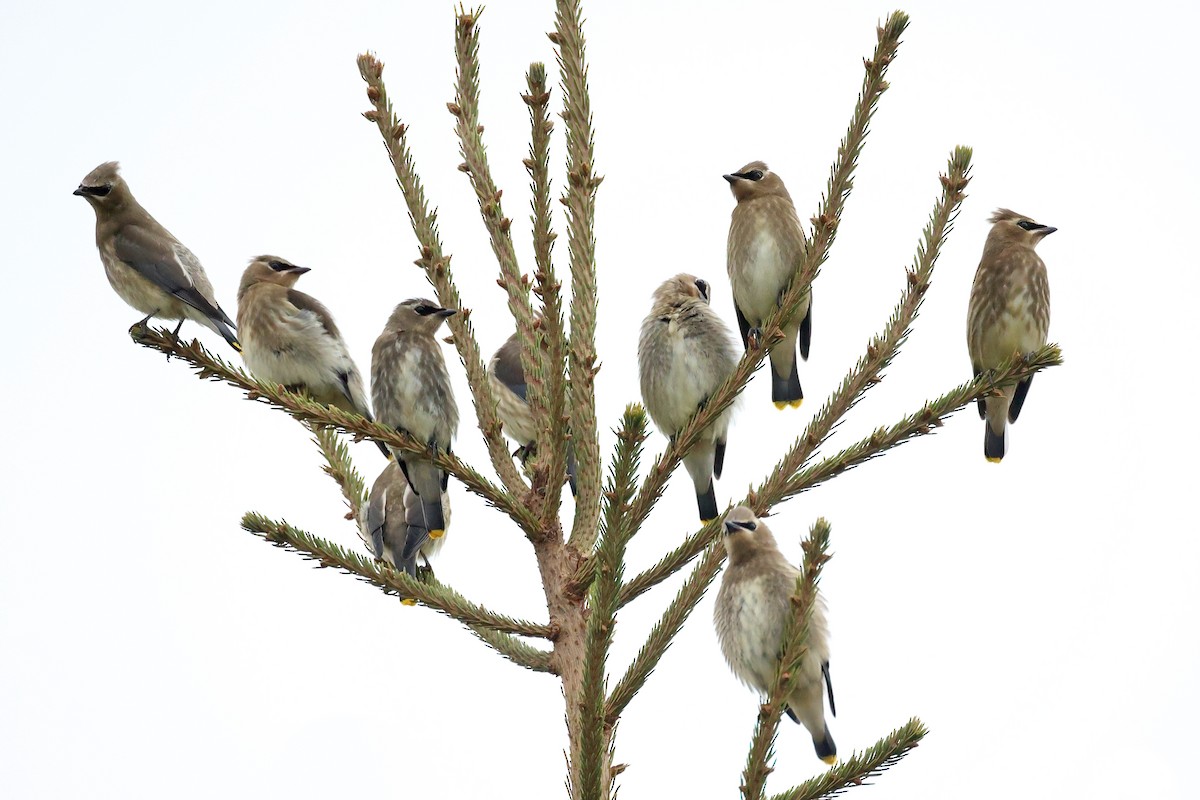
x=306, y=410
x=920, y=423
x=610, y=559
x=553, y=434
x=437, y=270
x=859, y=768
x=340, y=467
x=430, y=592
x=580, y=200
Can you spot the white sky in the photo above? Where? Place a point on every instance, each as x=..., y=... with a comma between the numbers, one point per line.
x=1038, y=616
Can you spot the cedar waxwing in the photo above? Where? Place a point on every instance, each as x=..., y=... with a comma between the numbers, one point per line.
x=289, y=338
x=508, y=380
x=411, y=391
x=392, y=522
x=753, y=606
x=766, y=242
x=684, y=353
x=147, y=266
x=1009, y=313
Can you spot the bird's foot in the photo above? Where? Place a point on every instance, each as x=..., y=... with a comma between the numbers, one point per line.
x=754, y=337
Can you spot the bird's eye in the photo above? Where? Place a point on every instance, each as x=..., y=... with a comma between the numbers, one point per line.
x=1029, y=225
x=702, y=285
x=98, y=191
x=424, y=310
x=755, y=174
x=279, y=266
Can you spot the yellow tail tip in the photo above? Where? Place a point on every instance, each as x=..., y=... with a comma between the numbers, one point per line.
x=993, y=460
x=797, y=403
x=236, y=346
x=437, y=534
x=408, y=601
x=704, y=521
x=830, y=760
x=781, y=404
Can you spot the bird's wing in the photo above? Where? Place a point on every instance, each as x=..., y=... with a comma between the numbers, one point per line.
x=828, y=687
x=306, y=302
x=806, y=329
x=743, y=326
x=156, y=260
x=508, y=368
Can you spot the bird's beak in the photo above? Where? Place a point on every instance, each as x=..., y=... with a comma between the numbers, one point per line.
x=446, y=312
x=1047, y=231
x=298, y=270
x=731, y=178
x=731, y=527
x=79, y=192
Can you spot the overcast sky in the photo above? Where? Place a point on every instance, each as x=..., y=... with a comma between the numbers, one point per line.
x=1039, y=615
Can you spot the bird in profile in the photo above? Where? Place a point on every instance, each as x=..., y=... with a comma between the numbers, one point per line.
x=410, y=389
x=1009, y=313
x=392, y=523
x=290, y=338
x=766, y=243
x=684, y=353
x=508, y=380
x=752, y=608
x=148, y=267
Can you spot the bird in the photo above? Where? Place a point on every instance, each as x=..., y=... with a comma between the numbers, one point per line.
x=290, y=338
x=1009, y=313
x=685, y=351
x=766, y=242
x=751, y=610
x=410, y=389
x=508, y=381
x=148, y=267
x=392, y=523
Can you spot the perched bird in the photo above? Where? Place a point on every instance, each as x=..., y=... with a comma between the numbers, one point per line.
x=148, y=267
x=751, y=610
x=411, y=391
x=289, y=338
x=1009, y=313
x=684, y=353
x=392, y=522
x=766, y=241
x=508, y=380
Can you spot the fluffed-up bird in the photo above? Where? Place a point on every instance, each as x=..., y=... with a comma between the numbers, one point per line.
x=685, y=351
x=1009, y=313
x=508, y=380
x=766, y=242
x=752, y=608
x=148, y=267
x=392, y=522
x=410, y=388
x=290, y=338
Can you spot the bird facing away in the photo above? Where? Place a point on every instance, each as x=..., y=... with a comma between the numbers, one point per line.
x=752, y=608
x=392, y=523
x=290, y=338
x=684, y=353
x=1009, y=313
x=410, y=388
x=508, y=381
x=766, y=243
x=148, y=267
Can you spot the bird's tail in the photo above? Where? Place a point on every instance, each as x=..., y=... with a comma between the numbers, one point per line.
x=994, y=444
x=786, y=392
x=826, y=749
x=435, y=523
x=707, y=502
x=226, y=333
x=571, y=468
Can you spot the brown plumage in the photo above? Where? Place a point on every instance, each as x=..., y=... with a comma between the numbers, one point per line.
x=290, y=338
x=149, y=268
x=766, y=242
x=1009, y=312
x=752, y=608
